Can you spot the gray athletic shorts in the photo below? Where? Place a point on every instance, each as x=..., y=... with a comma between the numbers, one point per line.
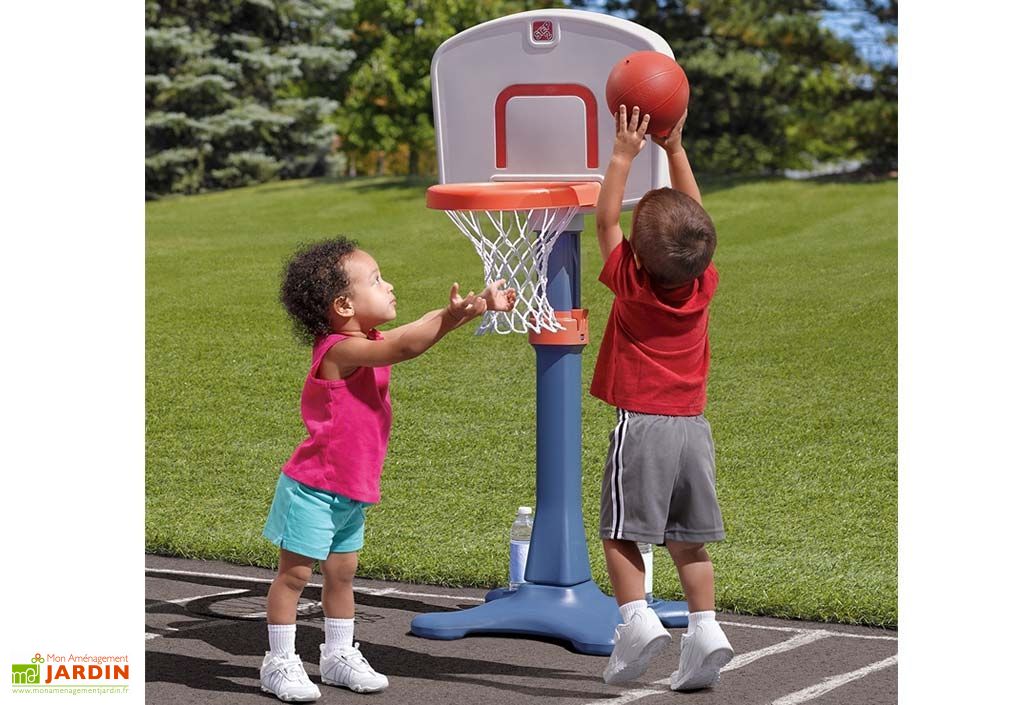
x=659, y=481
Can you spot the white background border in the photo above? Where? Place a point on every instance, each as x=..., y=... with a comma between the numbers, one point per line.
x=73, y=365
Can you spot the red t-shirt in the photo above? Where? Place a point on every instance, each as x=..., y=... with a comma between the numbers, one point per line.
x=654, y=355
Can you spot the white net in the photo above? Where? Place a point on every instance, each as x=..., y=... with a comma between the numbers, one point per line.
x=515, y=246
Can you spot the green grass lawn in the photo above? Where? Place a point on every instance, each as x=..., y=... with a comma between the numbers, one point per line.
x=802, y=394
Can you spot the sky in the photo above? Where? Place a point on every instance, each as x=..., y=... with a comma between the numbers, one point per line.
x=863, y=29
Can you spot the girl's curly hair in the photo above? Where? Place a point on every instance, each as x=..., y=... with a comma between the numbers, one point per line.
x=312, y=279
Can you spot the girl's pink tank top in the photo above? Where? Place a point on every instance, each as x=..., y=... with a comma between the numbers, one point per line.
x=349, y=422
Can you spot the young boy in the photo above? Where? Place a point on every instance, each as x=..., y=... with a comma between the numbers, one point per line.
x=659, y=479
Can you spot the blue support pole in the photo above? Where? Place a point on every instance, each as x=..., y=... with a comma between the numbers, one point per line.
x=559, y=599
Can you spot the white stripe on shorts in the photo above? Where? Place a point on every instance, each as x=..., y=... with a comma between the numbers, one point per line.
x=617, y=504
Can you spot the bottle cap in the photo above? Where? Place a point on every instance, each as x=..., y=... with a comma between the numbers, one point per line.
x=525, y=510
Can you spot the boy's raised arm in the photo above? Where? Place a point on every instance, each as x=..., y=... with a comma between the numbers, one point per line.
x=629, y=140
x=679, y=170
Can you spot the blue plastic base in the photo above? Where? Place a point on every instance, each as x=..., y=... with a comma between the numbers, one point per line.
x=673, y=614
x=581, y=614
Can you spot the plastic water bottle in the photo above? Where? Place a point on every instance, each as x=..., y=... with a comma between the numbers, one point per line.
x=519, y=547
x=647, y=553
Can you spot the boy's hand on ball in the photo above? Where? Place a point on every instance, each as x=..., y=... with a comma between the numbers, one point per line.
x=673, y=141
x=630, y=132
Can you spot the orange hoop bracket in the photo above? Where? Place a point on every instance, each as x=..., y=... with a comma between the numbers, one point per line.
x=513, y=195
x=577, y=329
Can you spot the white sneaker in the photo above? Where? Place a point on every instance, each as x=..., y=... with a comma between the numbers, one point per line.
x=348, y=668
x=636, y=643
x=285, y=677
x=701, y=657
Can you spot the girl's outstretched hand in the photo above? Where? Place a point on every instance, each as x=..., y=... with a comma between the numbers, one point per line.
x=498, y=299
x=462, y=309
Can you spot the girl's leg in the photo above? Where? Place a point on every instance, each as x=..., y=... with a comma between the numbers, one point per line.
x=341, y=662
x=282, y=673
x=695, y=573
x=339, y=571
x=293, y=572
x=338, y=600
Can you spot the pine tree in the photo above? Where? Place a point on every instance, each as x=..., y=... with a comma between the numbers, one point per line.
x=240, y=91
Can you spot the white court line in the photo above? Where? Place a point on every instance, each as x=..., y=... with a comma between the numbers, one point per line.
x=394, y=591
x=804, y=629
x=802, y=696
x=629, y=697
x=185, y=600
x=799, y=640
x=364, y=590
x=805, y=637
x=151, y=635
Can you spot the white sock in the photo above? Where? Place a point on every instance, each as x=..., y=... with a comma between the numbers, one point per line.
x=705, y=617
x=282, y=639
x=630, y=608
x=338, y=633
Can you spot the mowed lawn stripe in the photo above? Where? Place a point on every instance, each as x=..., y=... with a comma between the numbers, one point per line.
x=802, y=394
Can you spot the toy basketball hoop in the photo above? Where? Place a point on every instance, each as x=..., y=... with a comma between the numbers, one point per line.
x=513, y=227
x=522, y=142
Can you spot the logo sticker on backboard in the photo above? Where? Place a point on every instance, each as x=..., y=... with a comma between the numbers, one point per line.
x=543, y=31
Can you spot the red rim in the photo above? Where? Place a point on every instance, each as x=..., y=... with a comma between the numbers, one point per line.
x=513, y=195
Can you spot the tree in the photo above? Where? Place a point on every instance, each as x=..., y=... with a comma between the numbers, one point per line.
x=240, y=91
x=875, y=108
x=387, y=104
x=771, y=87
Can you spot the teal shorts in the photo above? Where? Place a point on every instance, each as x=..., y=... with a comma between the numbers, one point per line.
x=313, y=522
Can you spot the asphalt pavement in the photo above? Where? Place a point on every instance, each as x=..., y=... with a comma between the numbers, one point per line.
x=206, y=637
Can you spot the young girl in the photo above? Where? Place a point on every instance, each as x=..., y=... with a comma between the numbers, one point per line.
x=337, y=297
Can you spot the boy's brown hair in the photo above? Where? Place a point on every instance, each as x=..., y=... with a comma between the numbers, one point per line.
x=673, y=237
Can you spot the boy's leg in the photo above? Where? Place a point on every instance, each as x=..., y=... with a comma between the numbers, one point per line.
x=630, y=481
x=641, y=636
x=705, y=648
x=282, y=673
x=341, y=662
x=696, y=573
x=695, y=517
x=625, y=570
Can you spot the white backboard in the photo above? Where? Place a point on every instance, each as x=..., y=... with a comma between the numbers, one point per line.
x=522, y=98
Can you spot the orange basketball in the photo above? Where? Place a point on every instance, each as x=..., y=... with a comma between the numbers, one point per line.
x=655, y=83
